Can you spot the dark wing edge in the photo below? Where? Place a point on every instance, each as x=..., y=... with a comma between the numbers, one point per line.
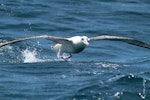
x=52, y=38
x=123, y=39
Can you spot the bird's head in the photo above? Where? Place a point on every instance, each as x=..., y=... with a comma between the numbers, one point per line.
x=80, y=40
x=84, y=40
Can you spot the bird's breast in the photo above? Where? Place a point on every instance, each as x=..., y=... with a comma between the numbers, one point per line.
x=73, y=48
x=78, y=48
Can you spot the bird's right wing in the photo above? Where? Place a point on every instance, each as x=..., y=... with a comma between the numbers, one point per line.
x=52, y=38
x=123, y=39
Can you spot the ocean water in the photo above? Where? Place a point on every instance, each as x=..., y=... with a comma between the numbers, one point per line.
x=105, y=70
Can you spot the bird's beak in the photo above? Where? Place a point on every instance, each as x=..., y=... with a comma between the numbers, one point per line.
x=86, y=43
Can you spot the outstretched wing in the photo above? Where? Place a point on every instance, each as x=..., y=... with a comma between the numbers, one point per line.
x=52, y=38
x=123, y=39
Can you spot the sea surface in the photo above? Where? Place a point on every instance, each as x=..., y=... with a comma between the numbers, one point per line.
x=105, y=70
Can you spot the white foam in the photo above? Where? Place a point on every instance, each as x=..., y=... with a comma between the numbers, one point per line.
x=107, y=65
x=30, y=56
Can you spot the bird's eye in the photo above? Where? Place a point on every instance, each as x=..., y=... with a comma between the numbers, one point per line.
x=82, y=39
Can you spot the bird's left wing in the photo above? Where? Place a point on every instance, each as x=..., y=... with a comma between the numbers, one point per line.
x=52, y=38
x=123, y=39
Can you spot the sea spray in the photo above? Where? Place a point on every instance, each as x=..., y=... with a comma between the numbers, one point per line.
x=30, y=56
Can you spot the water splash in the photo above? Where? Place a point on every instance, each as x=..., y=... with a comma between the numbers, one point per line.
x=30, y=56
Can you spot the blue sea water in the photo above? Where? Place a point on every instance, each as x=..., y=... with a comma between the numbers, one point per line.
x=106, y=70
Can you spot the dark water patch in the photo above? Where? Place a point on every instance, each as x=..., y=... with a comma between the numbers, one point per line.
x=74, y=19
x=129, y=83
x=32, y=14
x=19, y=26
x=38, y=5
x=88, y=94
x=130, y=79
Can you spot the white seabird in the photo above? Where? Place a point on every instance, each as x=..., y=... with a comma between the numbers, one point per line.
x=77, y=44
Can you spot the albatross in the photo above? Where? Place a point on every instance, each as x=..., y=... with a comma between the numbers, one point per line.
x=77, y=44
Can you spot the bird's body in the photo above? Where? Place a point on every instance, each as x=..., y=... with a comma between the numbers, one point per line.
x=77, y=44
